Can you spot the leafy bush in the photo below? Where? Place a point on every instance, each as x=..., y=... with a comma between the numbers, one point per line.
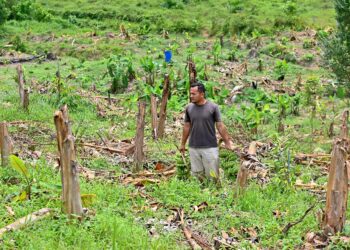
x=29, y=10
x=62, y=93
x=281, y=69
x=308, y=44
x=337, y=47
x=254, y=117
x=120, y=70
x=233, y=55
x=18, y=44
x=144, y=27
x=150, y=67
x=308, y=58
x=4, y=11
x=216, y=51
x=22, y=10
x=184, y=25
x=284, y=40
x=173, y=4
x=290, y=8
x=290, y=19
x=289, y=22
x=241, y=23
x=275, y=50
x=312, y=88
x=234, y=6
x=290, y=57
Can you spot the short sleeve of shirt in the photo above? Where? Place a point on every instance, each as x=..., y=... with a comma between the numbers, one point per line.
x=217, y=114
x=187, y=116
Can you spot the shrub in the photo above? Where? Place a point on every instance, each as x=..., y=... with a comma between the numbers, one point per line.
x=281, y=69
x=216, y=51
x=233, y=55
x=247, y=24
x=308, y=58
x=284, y=40
x=144, y=27
x=173, y=4
x=234, y=6
x=289, y=22
x=290, y=19
x=184, y=25
x=118, y=70
x=290, y=57
x=18, y=44
x=275, y=50
x=337, y=47
x=308, y=44
x=24, y=10
x=4, y=12
x=312, y=88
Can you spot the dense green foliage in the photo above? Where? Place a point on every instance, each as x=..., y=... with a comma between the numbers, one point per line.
x=337, y=46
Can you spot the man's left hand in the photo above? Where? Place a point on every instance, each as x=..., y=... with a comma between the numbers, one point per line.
x=229, y=145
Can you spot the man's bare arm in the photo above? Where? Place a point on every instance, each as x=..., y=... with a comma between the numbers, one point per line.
x=185, y=133
x=224, y=134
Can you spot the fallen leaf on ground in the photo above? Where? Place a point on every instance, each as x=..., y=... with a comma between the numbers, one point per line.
x=10, y=211
x=159, y=166
x=200, y=207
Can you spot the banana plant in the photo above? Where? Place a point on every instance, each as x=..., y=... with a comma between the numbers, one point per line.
x=149, y=66
x=145, y=90
x=295, y=103
x=259, y=98
x=255, y=117
x=130, y=67
x=18, y=165
x=117, y=70
x=283, y=102
x=216, y=52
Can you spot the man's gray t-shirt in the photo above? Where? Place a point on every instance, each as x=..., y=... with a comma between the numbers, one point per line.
x=202, y=119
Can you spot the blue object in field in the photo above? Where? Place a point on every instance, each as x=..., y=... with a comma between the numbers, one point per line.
x=168, y=55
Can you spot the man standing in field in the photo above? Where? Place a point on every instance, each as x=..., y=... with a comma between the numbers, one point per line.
x=201, y=116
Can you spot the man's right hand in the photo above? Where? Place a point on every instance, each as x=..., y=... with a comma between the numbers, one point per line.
x=182, y=149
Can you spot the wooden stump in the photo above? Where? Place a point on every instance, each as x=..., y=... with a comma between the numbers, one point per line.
x=72, y=201
x=337, y=189
x=242, y=175
x=163, y=106
x=299, y=84
x=26, y=100
x=139, y=155
x=154, y=116
x=123, y=32
x=344, y=131
x=192, y=74
x=70, y=180
x=5, y=144
x=20, y=81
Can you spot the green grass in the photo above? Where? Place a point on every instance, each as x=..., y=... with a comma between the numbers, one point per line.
x=83, y=34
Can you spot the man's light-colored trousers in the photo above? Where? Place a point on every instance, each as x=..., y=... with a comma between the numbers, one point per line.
x=205, y=162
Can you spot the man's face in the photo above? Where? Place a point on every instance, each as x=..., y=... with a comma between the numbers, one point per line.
x=195, y=95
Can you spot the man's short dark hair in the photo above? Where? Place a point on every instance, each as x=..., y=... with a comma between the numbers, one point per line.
x=201, y=87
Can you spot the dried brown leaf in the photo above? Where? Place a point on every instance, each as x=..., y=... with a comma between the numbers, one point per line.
x=10, y=210
x=159, y=166
x=224, y=235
